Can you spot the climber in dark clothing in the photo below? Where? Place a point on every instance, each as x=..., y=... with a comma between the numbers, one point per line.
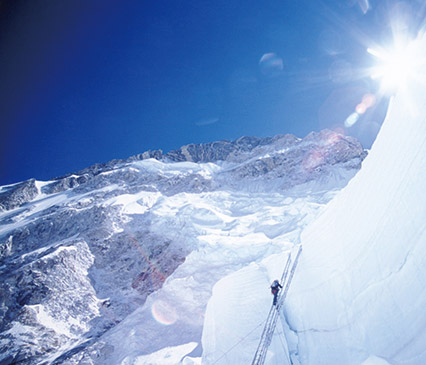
x=275, y=288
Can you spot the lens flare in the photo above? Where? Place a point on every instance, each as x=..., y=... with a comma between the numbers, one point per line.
x=360, y=108
x=396, y=64
x=351, y=120
x=271, y=65
x=164, y=313
x=368, y=100
x=313, y=160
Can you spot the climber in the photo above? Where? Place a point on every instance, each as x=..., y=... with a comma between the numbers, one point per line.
x=275, y=288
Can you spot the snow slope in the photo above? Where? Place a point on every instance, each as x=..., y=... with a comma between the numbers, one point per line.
x=360, y=290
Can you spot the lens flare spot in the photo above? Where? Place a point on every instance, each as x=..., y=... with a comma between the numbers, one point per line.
x=364, y=5
x=313, y=160
x=369, y=100
x=164, y=313
x=351, y=120
x=335, y=137
x=271, y=65
x=361, y=108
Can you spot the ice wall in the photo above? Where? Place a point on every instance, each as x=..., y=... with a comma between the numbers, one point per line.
x=359, y=293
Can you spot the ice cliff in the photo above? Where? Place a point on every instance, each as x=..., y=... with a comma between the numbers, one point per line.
x=360, y=292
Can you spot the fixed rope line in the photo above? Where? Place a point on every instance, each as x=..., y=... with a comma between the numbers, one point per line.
x=271, y=322
x=248, y=334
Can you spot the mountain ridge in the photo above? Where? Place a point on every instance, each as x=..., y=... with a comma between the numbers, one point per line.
x=17, y=194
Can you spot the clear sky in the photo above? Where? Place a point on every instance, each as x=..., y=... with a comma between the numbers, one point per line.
x=86, y=81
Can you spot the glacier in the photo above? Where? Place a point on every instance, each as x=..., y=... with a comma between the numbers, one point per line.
x=117, y=263
x=168, y=258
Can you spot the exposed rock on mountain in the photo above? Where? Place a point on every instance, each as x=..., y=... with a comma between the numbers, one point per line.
x=283, y=156
x=81, y=253
x=15, y=195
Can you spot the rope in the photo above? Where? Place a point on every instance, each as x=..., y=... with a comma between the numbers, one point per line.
x=285, y=346
x=231, y=348
x=282, y=343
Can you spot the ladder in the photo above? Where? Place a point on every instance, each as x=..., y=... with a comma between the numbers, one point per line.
x=271, y=322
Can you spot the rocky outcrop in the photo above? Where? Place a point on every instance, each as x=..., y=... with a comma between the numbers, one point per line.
x=215, y=151
x=62, y=184
x=51, y=300
x=18, y=194
x=304, y=160
x=75, y=270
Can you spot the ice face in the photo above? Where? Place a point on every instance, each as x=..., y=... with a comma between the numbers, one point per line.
x=360, y=290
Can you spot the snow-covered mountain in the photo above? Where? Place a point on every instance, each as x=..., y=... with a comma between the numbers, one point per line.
x=131, y=262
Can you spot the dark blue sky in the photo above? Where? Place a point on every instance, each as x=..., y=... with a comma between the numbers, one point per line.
x=86, y=81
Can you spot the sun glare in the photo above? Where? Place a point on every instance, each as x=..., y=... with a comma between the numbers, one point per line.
x=395, y=66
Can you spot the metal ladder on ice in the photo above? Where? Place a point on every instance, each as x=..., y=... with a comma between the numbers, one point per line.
x=271, y=322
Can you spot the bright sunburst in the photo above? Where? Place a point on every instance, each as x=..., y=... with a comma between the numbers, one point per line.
x=396, y=65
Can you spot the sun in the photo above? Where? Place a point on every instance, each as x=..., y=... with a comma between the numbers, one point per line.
x=396, y=65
